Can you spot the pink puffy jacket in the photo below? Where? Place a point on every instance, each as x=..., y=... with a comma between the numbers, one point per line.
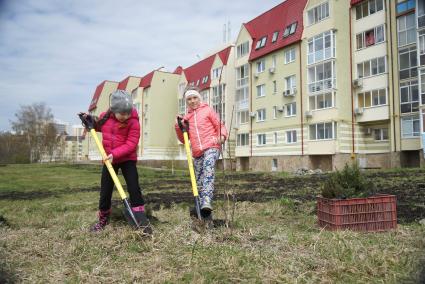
x=204, y=129
x=121, y=138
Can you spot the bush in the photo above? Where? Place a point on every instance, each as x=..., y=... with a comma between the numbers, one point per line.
x=348, y=183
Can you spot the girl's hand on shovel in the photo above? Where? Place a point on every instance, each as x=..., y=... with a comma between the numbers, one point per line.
x=110, y=158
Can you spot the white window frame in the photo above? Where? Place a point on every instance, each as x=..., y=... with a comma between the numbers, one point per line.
x=216, y=73
x=291, y=83
x=318, y=13
x=326, y=125
x=261, y=139
x=261, y=90
x=368, y=98
x=261, y=66
x=325, y=44
x=242, y=140
x=381, y=134
x=360, y=8
x=261, y=115
x=369, y=66
x=242, y=76
x=261, y=42
x=242, y=49
x=290, y=55
x=242, y=117
x=275, y=137
x=361, y=37
x=275, y=36
x=290, y=29
x=411, y=70
x=403, y=30
x=410, y=86
x=274, y=112
x=182, y=106
x=321, y=98
x=291, y=136
x=410, y=119
x=327, y=83
x=291, y=109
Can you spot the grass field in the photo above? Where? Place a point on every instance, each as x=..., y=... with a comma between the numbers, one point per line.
x=46, y=210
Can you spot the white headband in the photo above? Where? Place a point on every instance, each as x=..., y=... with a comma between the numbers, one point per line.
x=192, y=93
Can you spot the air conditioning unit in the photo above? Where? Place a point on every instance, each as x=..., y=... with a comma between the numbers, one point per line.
x=357, y=83
x=272, y=70
x=308, y=114
x=255, y=75
x=358, y=111
x=280, y=109
x=288, y=93
x=252, y=114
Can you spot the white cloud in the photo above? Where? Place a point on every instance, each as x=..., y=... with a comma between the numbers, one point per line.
x=59, y=51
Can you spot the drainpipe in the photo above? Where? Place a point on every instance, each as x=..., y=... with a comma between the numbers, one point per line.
x=250, y=106
x=301, y=107
x=392, y=72
x=353, y=155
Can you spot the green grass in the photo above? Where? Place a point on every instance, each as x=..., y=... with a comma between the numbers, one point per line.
x=46, y=239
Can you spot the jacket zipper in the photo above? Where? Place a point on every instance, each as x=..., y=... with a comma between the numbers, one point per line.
x=197, y=132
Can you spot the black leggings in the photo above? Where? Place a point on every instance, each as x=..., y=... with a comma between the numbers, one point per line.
x=129, y=171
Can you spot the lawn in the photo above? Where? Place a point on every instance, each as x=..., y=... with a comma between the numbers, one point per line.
x=46, y=210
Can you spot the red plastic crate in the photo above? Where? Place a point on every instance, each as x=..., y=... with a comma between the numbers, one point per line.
x=371, y=214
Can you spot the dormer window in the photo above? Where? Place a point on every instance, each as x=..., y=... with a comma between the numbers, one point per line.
x=261, y=43
x=205, y=79
x=197, y=83
x=290, y=30
x=275, y=35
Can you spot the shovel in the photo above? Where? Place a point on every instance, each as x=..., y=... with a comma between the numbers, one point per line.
x=139, y=222
x=183, y=128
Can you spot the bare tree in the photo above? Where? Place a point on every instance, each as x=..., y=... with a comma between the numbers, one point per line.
x=35, y=123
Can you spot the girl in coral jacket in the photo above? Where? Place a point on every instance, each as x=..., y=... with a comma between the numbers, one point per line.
x=121, y=132
x=206, y=134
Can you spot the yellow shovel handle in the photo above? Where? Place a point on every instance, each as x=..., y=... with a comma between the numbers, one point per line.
x=108, y=165
x=190, y=164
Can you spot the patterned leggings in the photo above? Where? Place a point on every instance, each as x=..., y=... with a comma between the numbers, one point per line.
x=205, y=172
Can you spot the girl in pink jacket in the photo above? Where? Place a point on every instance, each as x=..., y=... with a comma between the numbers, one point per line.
x=121, y=132
x=206, y=134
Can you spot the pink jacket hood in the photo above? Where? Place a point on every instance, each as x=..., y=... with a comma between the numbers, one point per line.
x=204, y=129
x=121, y=138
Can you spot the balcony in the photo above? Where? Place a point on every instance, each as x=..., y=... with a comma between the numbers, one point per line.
x=372, y=114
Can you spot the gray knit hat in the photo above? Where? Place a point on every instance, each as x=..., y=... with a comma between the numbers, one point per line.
x=121, y=102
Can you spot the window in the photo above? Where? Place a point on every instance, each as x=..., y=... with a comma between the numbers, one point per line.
x=218, y=100
x=410, y=126
x=197, y=83
x=290, y=30
x=182, y=106
x=275, y=87
x=291, y=136
x=406, y=28
x=368, y=8
x=242, y=139
x=321, y=47
x=242, y=117
x=216, y=73
x=182, y=86
x=318, y=13
x=322, y=101
x=408, y=63
x=242, y=49
x=421, y=43
x=291, y=109
x=289, y=55
x=261, y=115
x=370, y=37
x=322, y=131
x=321, y=77
x=409, y=97
x=242, y=98
x=274, y=61
x=261, y=66
x=291, y=84
x=421, y=14
x=274, y=112
x=275, y=35
x=242, y=74
x=371, y=67
x=261, y=139
x=380, y=134
x=261, y=42
x=422, y=87
x=372, y=98
x=404, y=6
x=274, y=137
x=261, y=90
x=204, y=96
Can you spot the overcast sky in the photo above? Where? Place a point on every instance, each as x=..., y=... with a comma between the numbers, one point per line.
x=58, y=51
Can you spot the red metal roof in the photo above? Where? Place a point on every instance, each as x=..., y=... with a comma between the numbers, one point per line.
x=123, y=84
x=276, y=19
x=178, y=70
x=355, y=2
x=224, y=54
x=146, y=80
x=96, y=95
